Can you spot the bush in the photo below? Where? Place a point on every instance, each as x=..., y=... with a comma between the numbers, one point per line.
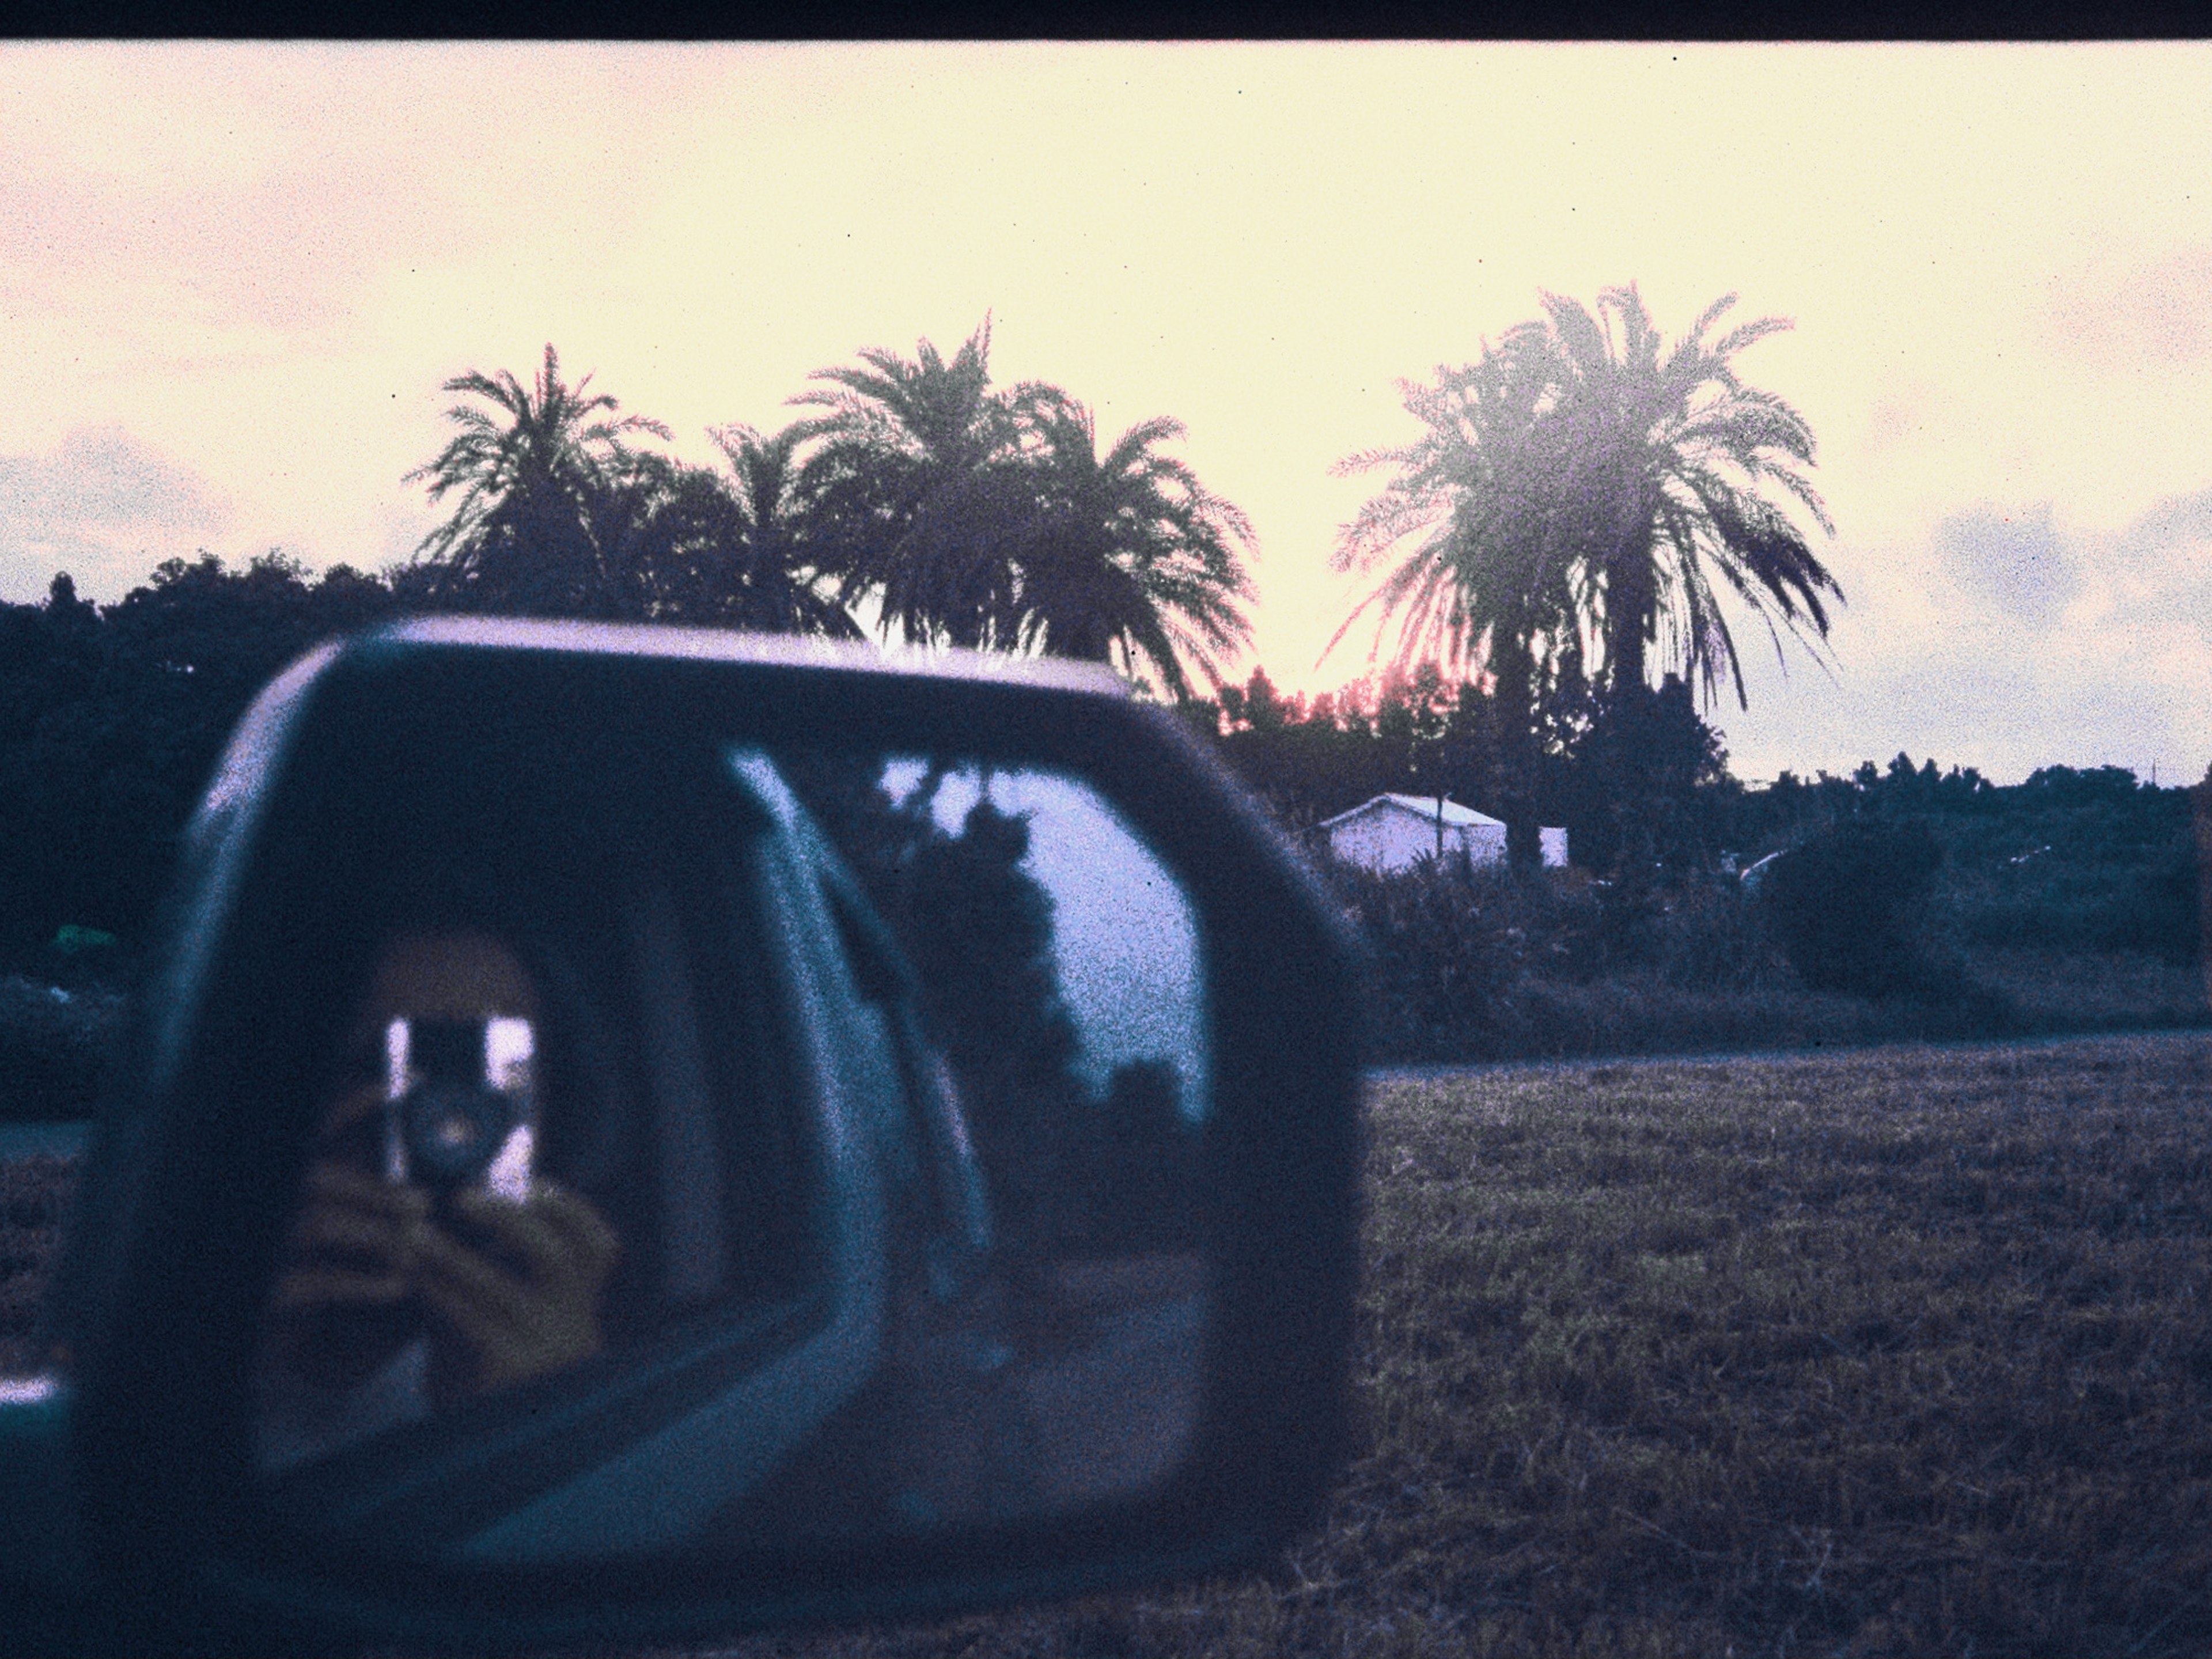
x=1449, y=945
x=1848, y=906
x=53, y=1045
x=2089, y=885
x=1489, y=964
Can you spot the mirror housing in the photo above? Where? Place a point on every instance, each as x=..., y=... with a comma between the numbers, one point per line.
x=191, y=1176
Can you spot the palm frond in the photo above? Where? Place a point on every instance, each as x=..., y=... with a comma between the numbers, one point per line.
x=1578, y=490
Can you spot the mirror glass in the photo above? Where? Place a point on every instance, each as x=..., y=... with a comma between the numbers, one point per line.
x=729, y=1151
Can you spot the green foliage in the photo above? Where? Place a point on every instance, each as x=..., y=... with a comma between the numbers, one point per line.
x=1578, y=502
x=1646, y=771
x=2066, y=902
x=747, y=551
x=1126, y=554
x=1849, y=907
x=111, y=721
x=2081, y=861
x=1409, y=731
x=989, y=519
x=1638, y=781
x=1654, y=466
x=557, y=514
x=918, y=490
x=1463, y=531
x=1905, y=915
x=1481, y=963
x=958, y=513
x=538, y=482
x=2072, y=860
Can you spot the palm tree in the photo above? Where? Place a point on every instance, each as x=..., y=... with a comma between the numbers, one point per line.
x=1580, y=495
x=1659, y=458
x=532, y=474
x=1127, y=555
x=698, y=547
x=920, y=501
x=1485, y=570
x=772, y=561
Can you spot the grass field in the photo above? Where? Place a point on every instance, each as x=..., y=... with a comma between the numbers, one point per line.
x=1901, y=1351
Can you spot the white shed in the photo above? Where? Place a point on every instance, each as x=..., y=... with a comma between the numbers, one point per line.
x=1395, y=832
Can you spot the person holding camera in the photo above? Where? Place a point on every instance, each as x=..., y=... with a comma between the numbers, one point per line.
x=428, y=1263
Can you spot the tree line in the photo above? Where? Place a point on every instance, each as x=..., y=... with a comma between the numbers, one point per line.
x=1548, y=562
x=1634, y=779
x=912, y=492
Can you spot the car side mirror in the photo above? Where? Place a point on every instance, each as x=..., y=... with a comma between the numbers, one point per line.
x=644, y=1135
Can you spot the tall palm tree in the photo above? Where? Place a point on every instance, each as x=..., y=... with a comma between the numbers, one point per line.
x=736, y=550
x=529, y=473
x=1661, y=458
x=1478, y=561
x=919, y=499
x=1580, y=495
x=1127, y=555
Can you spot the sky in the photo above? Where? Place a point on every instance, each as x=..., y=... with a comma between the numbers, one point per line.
x=232, y=278
x=1126, y=940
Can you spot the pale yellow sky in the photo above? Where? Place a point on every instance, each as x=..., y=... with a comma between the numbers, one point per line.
x=233, y=277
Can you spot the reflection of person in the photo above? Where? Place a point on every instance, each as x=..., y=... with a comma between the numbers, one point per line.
x=391, y=1302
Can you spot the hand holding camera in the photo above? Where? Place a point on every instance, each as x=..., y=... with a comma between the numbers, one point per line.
x=529, y=1306
x=454, y=1235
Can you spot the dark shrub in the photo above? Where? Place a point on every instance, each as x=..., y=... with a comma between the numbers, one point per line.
x=1449, y=945
x=1847, y=907
x=2103, y=877
x=53, y=1045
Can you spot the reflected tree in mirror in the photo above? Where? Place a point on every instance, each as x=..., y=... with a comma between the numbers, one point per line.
x=1059, y=970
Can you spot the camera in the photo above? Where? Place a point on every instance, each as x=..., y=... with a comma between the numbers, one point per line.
x=458, y=1105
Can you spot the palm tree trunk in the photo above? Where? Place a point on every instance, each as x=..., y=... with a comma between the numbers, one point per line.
x=1630, y=596
x=1513, y=670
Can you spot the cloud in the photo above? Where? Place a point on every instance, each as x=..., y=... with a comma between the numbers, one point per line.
x=2158, y=310
x=101, y=505
x=2177, y=522
x=2065, y=647
x=2014, y=562
x=2004, y=638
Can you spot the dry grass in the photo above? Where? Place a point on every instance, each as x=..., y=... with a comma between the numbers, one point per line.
x=1903, y=1351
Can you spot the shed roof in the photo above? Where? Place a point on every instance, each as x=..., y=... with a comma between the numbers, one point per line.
x=1421, y=806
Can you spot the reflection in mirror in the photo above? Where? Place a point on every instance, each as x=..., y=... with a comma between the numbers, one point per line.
x=1057, y=972
x=830, y=1169
x=424, y=1262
